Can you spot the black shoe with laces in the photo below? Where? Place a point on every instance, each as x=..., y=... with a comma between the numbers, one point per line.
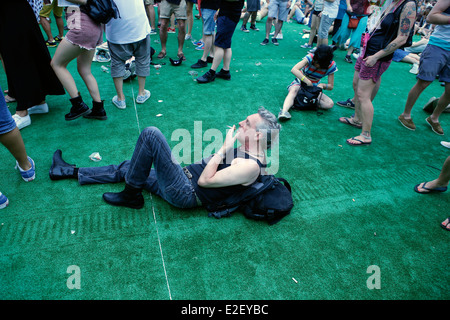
x=275, y=41
x=264, y=42
x=348, y=59
x=97, y=111
x=79, y=108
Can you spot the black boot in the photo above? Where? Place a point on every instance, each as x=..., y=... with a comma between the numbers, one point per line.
x=130, y=197
x=79, y=108
x=97, y=111
x=61, y=169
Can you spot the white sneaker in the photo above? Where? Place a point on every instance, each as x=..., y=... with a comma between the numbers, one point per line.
x=280, y=36
x=445, y=144
x=144, y=97
x=22, y=122
x=119, y=103
x=40, y=108
x=414, y=69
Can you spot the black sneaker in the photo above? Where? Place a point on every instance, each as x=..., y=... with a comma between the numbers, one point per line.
x=254, y=28
x=265, y=41
x=275, y=41
x=207, y=77
x=57, y=38
x=222, y=74
x=199, y=64
x=50, y=44
x=244, y=29
x=348, y=59
x=347, y=103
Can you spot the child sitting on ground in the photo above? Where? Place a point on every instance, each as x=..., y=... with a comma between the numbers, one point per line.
x=309, y=71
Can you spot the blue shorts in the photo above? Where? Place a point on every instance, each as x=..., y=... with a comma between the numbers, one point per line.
x=225, y=30
x=399, y=54
x=209, y=25
x=7, y=123
x=434, y=61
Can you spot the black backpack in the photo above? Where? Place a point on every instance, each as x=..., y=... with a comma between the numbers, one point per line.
x=101, y=11
x=268, y=198
x=307, y=98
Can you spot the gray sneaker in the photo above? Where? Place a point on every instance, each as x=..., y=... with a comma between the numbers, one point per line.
x=284, y=115
x=119, y=103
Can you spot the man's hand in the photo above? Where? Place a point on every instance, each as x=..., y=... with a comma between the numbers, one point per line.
x=229, y=140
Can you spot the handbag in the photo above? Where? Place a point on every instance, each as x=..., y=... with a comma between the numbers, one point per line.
x=101, y=11
x=307, y=98
x=353, y=22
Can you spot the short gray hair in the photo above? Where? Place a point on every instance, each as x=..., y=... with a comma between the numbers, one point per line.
x=269, y=126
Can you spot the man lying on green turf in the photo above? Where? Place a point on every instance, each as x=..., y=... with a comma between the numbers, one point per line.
x=228, y=171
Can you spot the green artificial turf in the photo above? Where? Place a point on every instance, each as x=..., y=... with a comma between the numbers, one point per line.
x=354, y=206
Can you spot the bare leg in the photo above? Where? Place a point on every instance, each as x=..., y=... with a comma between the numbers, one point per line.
x=289, y=100
x=181, y=36
x=84, y=62
x=65, y=53
x=413, y=95
x=443, y=102
x=14, y=143
x=441, y=181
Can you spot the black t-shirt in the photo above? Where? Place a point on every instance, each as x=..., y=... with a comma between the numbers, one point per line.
x=210, y=4
x=231, y=9
x=212, y=195
x=386, y=33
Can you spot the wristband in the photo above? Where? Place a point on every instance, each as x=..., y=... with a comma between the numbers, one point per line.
x=303, y=78
x=220, y=154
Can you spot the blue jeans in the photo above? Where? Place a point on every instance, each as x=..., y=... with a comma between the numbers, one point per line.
x=167, y=179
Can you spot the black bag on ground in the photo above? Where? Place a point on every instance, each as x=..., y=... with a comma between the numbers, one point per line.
x=101, y=11
x=307, y=98
x=268, y=198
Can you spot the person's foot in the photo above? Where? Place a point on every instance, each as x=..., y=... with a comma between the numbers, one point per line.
x=347, y=103
x=60, y=169
x=446, y=224
x=119, y=103
x=207, y=77
x=3, y=201
x=435, y=126
x=351, y=121
x=284, y=115
x=359, y=141
x=38, y=109
x=161, y=55
x=275, y=41
x=27, y=174
x=222, y=74
x=144, y=97
x=264, y=42
x=429, y=187
x=130, y=197
x=22, y=122
x=199, y=64
x=407, y=123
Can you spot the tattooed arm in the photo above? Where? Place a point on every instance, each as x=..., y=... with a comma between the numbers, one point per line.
x=407, y=19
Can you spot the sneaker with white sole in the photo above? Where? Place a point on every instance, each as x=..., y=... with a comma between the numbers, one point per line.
x=38, y=109
x=119, y=103
x=144, y=97
x=3, y=201
x=284, y=115
x=22, y=122
x=445, y=144
x=27, y=175
x=414, y=69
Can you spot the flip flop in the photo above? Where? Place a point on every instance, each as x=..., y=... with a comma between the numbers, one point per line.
x=181, y=57
x=362, y=143
x=445, y=226
x=161, y=55
x=349, y=122
x=9, y=99
x=438, y=189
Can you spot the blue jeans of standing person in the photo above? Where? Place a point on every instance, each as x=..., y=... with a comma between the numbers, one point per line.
x=167, y=179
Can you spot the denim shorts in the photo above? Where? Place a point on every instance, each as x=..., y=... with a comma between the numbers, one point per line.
x=434, y=61
x=209, y=25
x=7, y=123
